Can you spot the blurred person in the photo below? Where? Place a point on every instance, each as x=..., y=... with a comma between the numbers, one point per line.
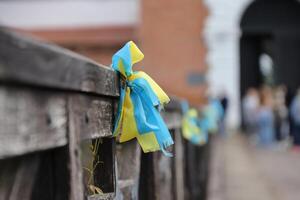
x=265, y=118
x=288, y=101
x=295, y=115
x=224, y=103
x=280, y=113
x=250, y=104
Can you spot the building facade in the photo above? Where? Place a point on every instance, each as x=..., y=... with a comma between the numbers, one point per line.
x=239, y=33
x=169, y=34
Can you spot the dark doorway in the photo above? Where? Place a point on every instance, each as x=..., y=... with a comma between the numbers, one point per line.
x=270, y=44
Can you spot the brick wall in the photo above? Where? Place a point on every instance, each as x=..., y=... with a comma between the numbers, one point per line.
x=170, y=35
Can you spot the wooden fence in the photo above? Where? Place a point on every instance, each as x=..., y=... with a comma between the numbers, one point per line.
x=57, y=110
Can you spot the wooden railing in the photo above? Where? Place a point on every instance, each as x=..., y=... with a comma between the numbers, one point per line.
x=55, y=108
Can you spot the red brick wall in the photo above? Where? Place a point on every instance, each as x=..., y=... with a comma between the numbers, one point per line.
x=169, y=34
x=98, y=43
x=170, y=37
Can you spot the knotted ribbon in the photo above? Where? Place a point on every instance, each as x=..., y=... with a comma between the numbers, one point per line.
x=140, y=101
x=193, y=128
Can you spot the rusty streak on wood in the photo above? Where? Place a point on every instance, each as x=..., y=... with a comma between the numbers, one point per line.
x=26, y=60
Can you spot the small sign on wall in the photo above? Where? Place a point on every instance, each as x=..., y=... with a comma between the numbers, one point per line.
x=196, y=78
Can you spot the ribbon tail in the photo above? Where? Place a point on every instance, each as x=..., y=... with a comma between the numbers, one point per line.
x=120, y=113
x=143, y=124
x=129, y=126
x=163, y=135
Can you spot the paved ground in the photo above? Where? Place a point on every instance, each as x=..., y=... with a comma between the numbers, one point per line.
x=239, y=171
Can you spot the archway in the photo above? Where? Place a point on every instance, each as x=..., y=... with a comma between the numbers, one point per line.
x=270, y=28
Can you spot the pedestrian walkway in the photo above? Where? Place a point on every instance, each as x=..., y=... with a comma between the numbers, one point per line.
x=239, y=171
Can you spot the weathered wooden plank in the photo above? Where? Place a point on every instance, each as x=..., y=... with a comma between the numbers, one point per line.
x=178, y=166
x=128, y=163
x=172, y=119
x=52, y=178
x=76, y=168
x=175, y=104
x=24, y=179
x=31, y=120
x=61, y=173
x=147, y=191
x=160, y=178
x=8, y=170
x=163, y=177
x=42, y=175
x=94, y=115
x=157, y=176
x=172, y=114
x=196, y=171
x=104, y=175
x=191, y=183
x=34, y=62
x=108, y=196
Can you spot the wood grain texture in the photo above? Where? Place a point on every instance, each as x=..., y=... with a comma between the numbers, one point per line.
x=77, y=103
x=108, y=196
x=52, y=179
x=17, y=177
x=147, y=191
x=8, y=169
x=26, y=60
x=129, y=163
x=76, y=168
x=172, y=119
x=105, y=172
x=31, y=120
x=196, y=170
x=24, y=179
x=178, y=166
x=163, y=177
x=94, y=115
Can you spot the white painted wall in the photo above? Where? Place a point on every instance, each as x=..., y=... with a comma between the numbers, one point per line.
x=222, y=35
x=68, y=14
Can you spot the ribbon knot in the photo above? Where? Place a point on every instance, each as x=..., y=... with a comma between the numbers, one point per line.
x=138, y=116
x=193, y=128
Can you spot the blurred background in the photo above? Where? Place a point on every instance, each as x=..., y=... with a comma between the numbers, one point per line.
x=243, y=52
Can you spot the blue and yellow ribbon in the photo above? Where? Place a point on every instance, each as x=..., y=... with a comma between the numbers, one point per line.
x=213, y=113
x=140, y=100
x=193, y=128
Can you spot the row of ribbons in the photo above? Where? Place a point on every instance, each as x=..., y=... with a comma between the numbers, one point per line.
x=141, y=100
